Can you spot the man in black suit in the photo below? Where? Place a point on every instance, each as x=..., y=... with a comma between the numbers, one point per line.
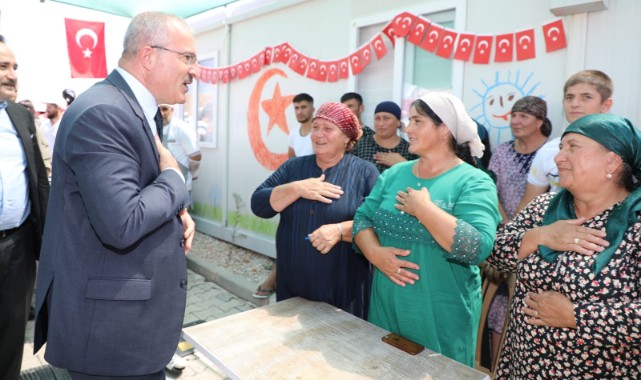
x=112, y=281
x=24, y=190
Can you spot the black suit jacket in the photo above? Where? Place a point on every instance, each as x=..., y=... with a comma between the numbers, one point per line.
x=37, y=174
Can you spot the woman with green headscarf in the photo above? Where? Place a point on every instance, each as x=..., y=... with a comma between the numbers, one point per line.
x=577, y=254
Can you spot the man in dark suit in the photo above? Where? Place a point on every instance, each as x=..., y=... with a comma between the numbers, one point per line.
x=112, y=281
x=23, y=202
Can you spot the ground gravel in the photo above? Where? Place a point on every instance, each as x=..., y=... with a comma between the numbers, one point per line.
x=251, y=265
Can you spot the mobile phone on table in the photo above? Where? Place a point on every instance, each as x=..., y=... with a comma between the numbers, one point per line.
x=404, y=344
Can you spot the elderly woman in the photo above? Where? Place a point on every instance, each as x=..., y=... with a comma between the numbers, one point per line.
x=511, y=160
x=426, y=226
x=386, y=147
x=316, y=197
x=576, y=256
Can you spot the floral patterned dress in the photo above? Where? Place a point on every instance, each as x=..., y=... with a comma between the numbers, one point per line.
x=607, y=340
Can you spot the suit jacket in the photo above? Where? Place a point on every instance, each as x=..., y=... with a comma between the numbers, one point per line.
x=37, y=175
x=112, y=280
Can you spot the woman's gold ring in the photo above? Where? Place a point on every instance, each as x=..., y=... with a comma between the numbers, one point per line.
x=577, y=241
x=537, y=314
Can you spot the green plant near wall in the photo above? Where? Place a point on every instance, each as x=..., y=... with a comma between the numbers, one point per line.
x=246, y=222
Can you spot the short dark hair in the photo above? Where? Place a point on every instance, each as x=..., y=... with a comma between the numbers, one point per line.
x=303, y=97
x=352, y=95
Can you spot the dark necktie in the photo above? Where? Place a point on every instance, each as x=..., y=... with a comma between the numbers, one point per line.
x=158, y=120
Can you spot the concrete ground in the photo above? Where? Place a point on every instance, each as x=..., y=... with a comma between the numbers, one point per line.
x=212, y=293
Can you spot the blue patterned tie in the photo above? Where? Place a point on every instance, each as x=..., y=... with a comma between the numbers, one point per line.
x=3, y=105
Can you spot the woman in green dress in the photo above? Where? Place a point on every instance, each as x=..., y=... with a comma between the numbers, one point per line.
x=425, y=226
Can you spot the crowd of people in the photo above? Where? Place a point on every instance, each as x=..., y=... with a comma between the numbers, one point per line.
x=387, y=228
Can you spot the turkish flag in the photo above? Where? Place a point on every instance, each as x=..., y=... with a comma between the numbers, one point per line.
x=267, y=53
x=332, y=71
x=379, y=46
x=231, y=71
x=214, y=76
x=301, y=63
x=418, y=31
x=433, y=38
x=312, y=69
x=389, y=31
x=482, y=49
x=504, y=48
x=240, y=69
x=554, y=34
x=366, y=55
x=355, y=62
x=464, y=47
x=447, y=44
x=86, y=48
x=257, y=62
x=524, y=42
x=225, y=75
x=402, y=23
x=276, y=53
x=323, y=70
x=343, y=68
x=286, y=53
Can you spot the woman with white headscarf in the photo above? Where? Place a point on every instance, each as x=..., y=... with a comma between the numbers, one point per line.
x=425, y=226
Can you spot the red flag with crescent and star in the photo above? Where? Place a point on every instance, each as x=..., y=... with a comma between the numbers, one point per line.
x=524, y=43
x=554, y=35
x=86, y=48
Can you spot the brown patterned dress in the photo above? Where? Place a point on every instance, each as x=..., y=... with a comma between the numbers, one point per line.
x=607, y=307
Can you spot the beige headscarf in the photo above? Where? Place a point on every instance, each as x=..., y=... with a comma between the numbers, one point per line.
x=452, y=111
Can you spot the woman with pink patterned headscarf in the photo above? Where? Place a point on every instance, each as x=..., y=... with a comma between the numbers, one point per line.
x=316, y=197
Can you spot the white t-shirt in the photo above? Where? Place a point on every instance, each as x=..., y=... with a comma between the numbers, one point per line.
x=50, y=131
x=182, y=141
x=543, y=171
x=302, y=145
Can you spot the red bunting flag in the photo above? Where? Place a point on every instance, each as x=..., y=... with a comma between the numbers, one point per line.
x=418, y=31
x=224, y=73
x=355, y=62
x=241, y=72
x=388, y=30
x=276, y=52
x=482, y=49
x=504, y=48
x=267, y=56
x=86, y=48
x=299, y=63
x=312, y=69
x=446, y=46
x=257, y=62
x=286, y=53
x=524, y=43
x=554, y=34
x=323, y=70
x=432, y=38
x=402, y=23
x=343, y=68
x=464, y=47
x=366, y=55
x=332, y=71
x=379, y=46
x=214, y=76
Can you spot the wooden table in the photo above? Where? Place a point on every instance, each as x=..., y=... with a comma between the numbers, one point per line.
x=301, y=339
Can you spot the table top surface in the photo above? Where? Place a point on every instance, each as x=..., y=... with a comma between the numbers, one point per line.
x=301, y=339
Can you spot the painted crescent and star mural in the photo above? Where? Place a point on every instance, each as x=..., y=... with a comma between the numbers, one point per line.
x=274, y=108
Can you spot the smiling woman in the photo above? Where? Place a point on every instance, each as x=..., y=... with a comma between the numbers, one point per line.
x=316, y=197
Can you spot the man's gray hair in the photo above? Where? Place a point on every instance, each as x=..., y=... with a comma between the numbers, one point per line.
x=146, y=29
